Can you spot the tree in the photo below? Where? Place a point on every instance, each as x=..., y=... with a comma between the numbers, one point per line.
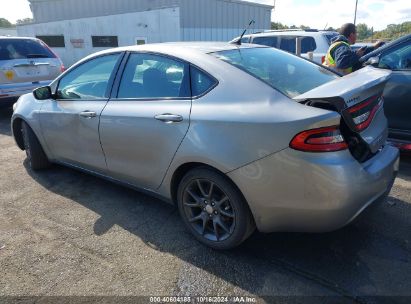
x=363, y=32
x=278, y=26
x=24, y=21
x=5, y=23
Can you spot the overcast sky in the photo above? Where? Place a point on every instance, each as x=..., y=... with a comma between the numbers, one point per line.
x=313, y=13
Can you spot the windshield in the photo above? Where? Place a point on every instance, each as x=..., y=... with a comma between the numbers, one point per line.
x=284, y=72
x=22, y=49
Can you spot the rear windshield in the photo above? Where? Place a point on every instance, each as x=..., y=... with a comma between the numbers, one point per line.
x=284, y=72
x=22, y=49
x=330, y=37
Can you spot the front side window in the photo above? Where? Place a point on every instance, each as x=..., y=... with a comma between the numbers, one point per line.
x=154, y=76
x=284, y=72
x=89, y=80
x=399, y=59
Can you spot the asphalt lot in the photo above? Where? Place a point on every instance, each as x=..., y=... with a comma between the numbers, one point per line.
x=65, y=233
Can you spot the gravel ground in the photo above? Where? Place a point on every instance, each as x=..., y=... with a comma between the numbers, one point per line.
x=65, y=233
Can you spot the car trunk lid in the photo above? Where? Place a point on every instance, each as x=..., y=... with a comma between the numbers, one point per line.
x=29, y=70
x=358, y=98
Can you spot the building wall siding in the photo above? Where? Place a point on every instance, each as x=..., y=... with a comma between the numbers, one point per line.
x=194, y=13
x=155, y=26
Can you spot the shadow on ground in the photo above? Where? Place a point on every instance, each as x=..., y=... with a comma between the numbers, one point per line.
x=5, y=115
x=367, y=258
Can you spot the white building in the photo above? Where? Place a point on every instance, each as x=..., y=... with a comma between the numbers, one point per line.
x=76, y=28
x=8, y=31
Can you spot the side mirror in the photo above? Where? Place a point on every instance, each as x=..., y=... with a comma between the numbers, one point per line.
x=373, y=61
x=42, y=93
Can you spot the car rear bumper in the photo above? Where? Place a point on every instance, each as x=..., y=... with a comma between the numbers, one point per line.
x=11, y=92
x=314, y=192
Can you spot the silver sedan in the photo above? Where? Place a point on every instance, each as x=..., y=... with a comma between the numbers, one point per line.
x=238, y=137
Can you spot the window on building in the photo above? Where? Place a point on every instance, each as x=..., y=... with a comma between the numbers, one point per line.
x=53, y=40
x=104, y=41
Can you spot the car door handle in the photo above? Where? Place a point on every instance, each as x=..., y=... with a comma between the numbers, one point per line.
x=88, y=114
x=169, y=118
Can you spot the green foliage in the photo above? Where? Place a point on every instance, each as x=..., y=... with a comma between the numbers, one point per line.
x=24, y=21
x=5, y=23
x=364, y=32
x=393, y=31
x=280, y=26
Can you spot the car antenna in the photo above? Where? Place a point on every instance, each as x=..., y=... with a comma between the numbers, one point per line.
x=238, y=41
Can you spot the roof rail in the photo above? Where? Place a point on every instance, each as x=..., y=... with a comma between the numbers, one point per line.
x=288, y=30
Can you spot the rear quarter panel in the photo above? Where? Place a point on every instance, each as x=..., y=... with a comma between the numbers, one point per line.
x=240, y=121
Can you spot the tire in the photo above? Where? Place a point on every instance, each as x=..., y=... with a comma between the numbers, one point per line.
x=34, y=152
x=213, y=209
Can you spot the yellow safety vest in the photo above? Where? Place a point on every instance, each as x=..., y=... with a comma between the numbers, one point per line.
x=330, y=62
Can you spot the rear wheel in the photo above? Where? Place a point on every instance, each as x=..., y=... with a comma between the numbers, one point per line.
x=213, y=209
x=35, y=153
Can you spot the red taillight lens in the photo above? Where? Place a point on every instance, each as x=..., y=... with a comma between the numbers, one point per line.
x=322, y=59
x=363, y=113
x=326, y=139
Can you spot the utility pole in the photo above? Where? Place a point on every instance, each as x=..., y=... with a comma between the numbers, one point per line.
x=355, y=14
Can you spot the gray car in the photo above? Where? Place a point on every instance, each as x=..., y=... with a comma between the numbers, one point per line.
x=25, y=64
x=237, y=137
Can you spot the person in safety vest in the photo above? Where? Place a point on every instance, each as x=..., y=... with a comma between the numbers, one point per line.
x=340, y=57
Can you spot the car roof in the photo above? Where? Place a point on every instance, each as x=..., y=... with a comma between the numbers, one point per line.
x=18, y=38
x=291, y=32
x=173, y=48
x=389, y=45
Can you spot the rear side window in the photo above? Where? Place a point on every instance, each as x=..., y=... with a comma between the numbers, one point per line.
x=23, y=49
x=284, y=72
x=268, y=41
x=330, y=37
x=200, y=82
x=154, y=76
x=308, y=45
x=288, y=44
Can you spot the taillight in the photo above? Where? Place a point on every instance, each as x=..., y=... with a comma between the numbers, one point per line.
x=363, y=113
x=322, y=59
x=62, y=68
x=326, y=139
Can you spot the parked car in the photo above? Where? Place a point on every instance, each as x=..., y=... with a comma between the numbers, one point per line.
x=360, y=45
x=237, y=136
x=396, y=56
x=314, y=41
x=25, y=64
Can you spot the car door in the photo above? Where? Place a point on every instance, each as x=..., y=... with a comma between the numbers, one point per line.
x=143, y=126
x=397, y=93
x=70, y=122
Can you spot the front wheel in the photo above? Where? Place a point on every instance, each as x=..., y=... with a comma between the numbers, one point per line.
x=213, y=209
x=34, y=152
